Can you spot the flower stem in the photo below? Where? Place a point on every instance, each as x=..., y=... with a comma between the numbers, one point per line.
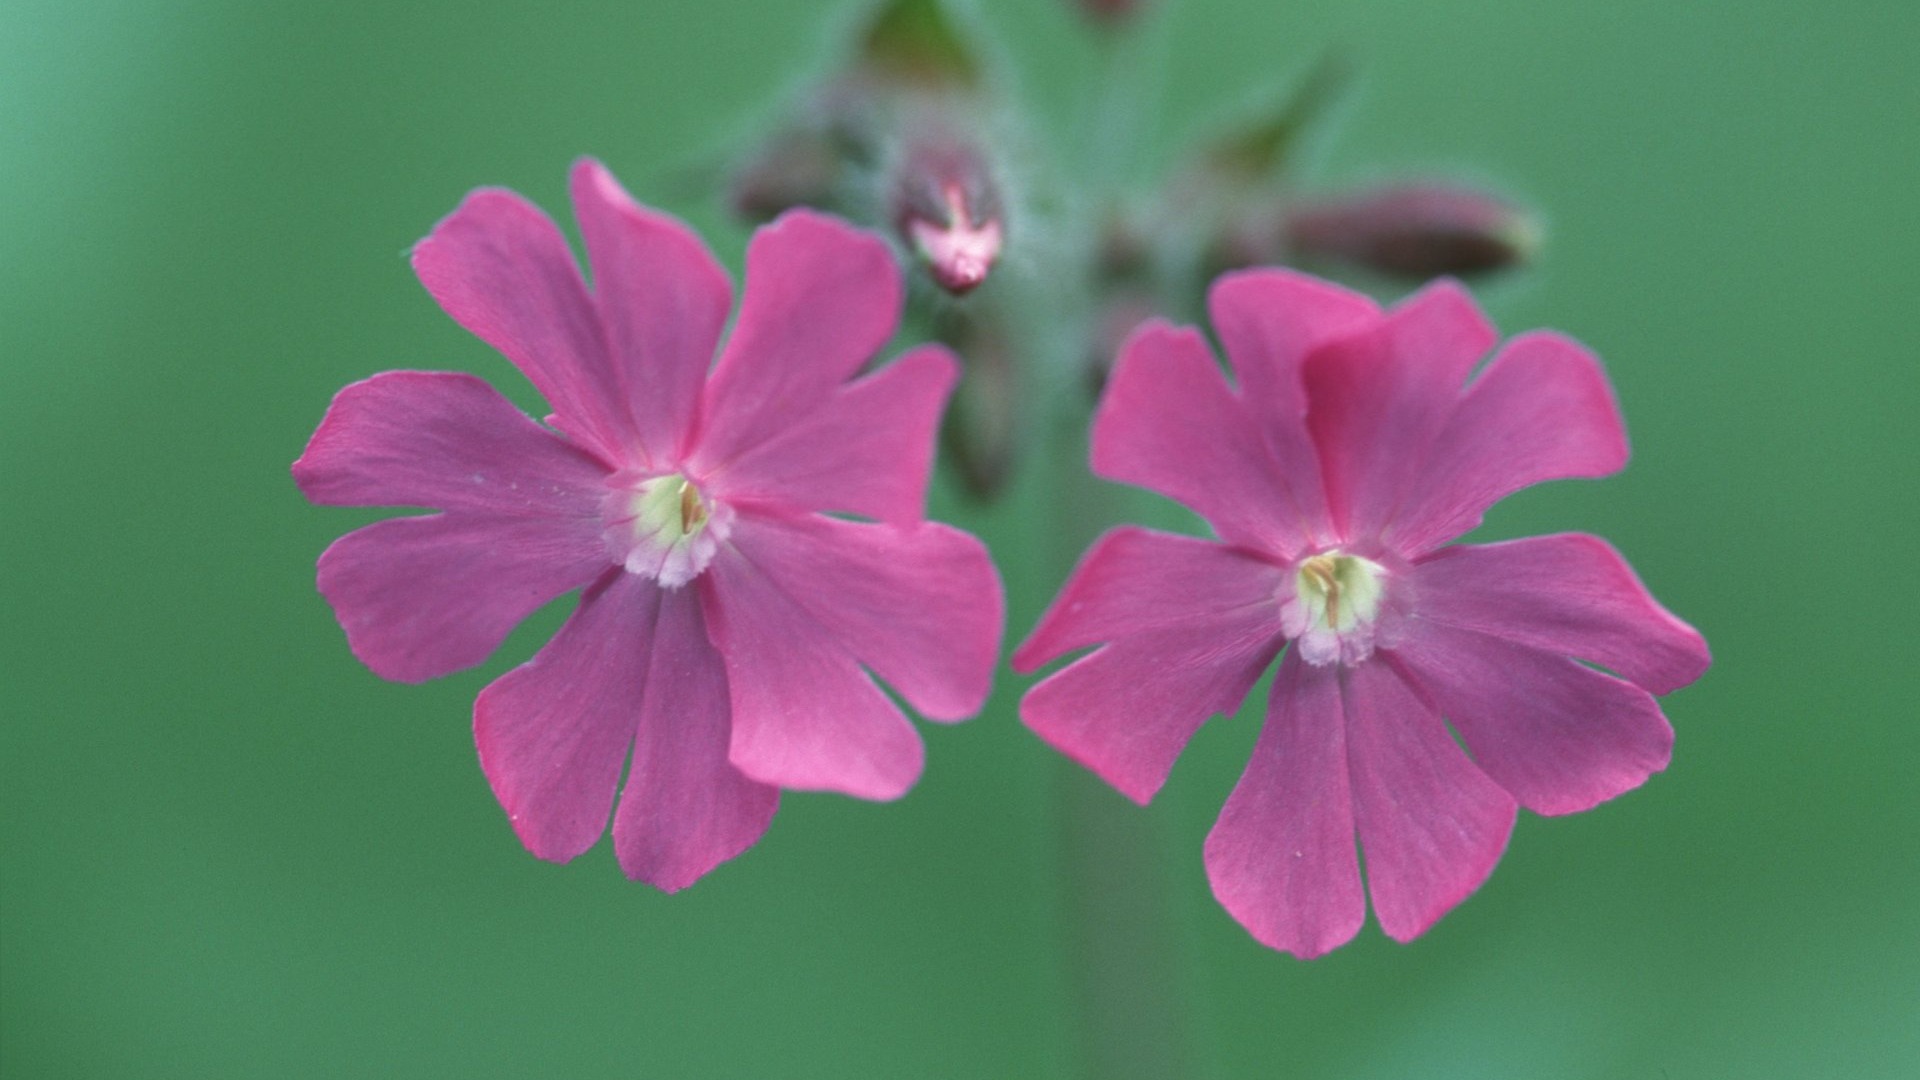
x=1123, y=962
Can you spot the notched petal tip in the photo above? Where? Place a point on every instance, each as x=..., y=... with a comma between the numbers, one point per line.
x=478, y=209
x=1598, y=403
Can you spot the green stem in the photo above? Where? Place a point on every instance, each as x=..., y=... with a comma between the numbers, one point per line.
x=1123, y=961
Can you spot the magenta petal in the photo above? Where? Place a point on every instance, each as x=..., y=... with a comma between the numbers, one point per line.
x=1269, y=322
x=685, y=809
x=1192, y=625
x=502, y=270
x=821, y=298
x=553, y=732
x=1281, y=857
x=446, y=441
x=1542, y=410
x=868, y=449
x=663, y=300
x=420, y=597
x=1380, y=400
x=804, y=715
x=1570, y=594
x=1133, y=580
x=1558, y=736
x=921, y=606
x=1169, y=422
x=1431, y=823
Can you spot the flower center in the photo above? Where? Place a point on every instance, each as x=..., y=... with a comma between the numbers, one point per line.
x=1336, y=599
x=665, y=529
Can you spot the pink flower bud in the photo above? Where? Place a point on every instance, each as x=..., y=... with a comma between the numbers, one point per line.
x=1415, y=230
x=1110, y=12
x=946, y=208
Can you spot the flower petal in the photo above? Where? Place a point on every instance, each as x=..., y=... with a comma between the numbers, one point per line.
x=685, y=809
x=1558, y=736
x=804, y=715
x=502, y=270
x=446, y=441
x=867, y=449
x=821, y=298
x=1378, y=400
x=553, y=732
x=1168, y=422
x=1431, y=823
x=1133, y=580
x=1269, y=322
x=420, y=597
x=1542, y=410
x=1192, y=626
x=920, y=606
x=1569, y=594
x=663, y=300
x=1281, y=857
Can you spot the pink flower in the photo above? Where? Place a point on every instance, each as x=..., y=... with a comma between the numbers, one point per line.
x=1335, y=474
x=726, y=620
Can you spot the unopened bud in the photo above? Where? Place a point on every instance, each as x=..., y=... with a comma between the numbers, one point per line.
x=1118, y=318
x=1110, y=13
x=800, y=167
x=946, y=208
x=982, y=433
x=1417, y=231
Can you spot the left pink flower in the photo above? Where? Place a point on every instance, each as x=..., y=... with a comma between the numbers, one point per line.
x=727, y=619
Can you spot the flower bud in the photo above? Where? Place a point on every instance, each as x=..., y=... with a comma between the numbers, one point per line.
x=1110, y=13
x=797, y=167
x=946, y=208
x=981, y=437
x=1415, y=230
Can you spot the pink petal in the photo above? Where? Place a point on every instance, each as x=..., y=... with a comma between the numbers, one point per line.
x=1168, y=422
x=446, y=441
x=685, y=809
x=821, y=299
x=804, y=715
x=1558, y=736
x=1192, y=625
x=420, y=597
x=1569, y=594
x=503, y=271
x=920, y=606
x=662, y=299
x=1133, y=580
x=1431, y=823
x=1281, y=857
x=1269, y=321
x=553, y=732
x=1379, y=400
x=1542, y=410
x=867, y=449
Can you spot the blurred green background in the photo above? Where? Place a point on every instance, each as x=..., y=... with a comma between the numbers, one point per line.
x=226, y=849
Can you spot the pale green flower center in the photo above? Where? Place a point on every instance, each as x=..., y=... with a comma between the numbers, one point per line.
x=666, y=529
x=1336, y=599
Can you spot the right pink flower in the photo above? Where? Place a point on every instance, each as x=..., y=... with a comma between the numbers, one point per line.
x=1352, y=450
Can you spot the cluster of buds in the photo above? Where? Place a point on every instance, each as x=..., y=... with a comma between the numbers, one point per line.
x=907, y=136
x=894, y=139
